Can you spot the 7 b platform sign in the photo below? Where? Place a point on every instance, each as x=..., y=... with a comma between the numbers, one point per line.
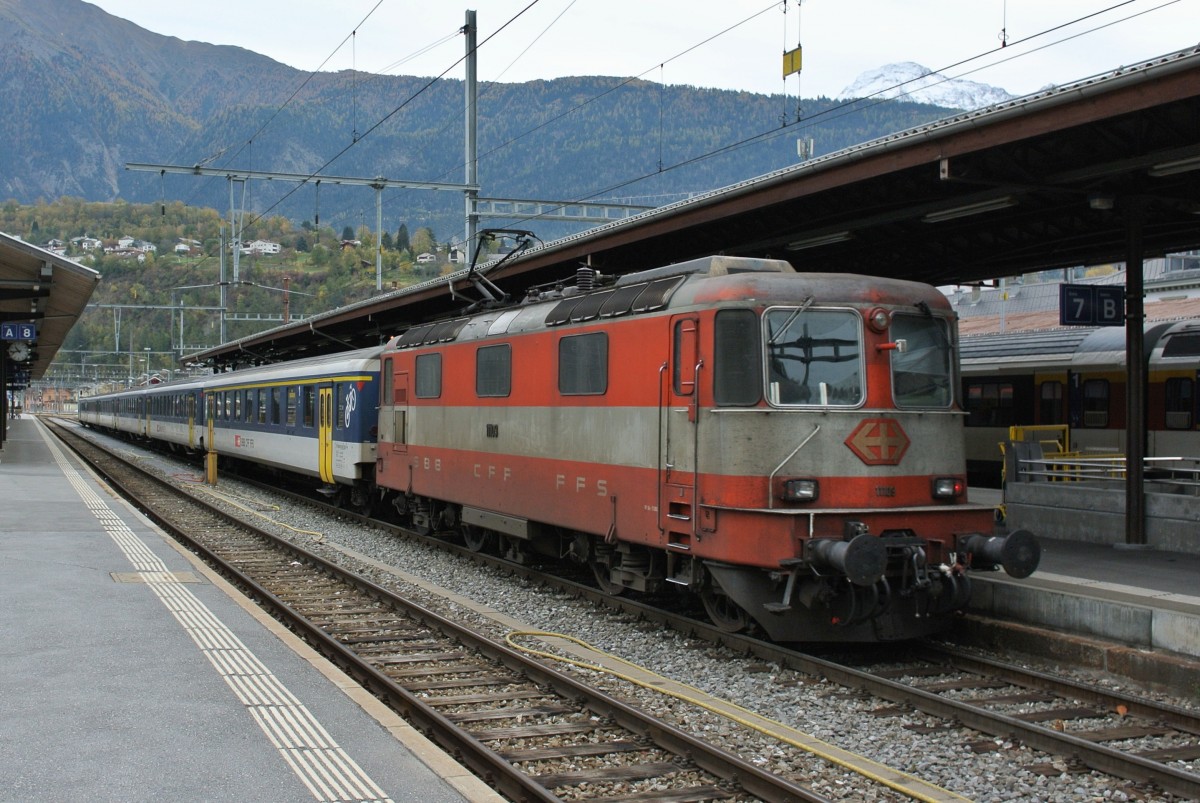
x=1091, y=305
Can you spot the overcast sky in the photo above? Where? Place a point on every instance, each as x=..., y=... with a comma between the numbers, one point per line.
x=729, y=44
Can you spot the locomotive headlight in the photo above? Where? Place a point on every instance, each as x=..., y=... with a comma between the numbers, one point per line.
x=800, y=491
x=948, y=487
x=878, y=319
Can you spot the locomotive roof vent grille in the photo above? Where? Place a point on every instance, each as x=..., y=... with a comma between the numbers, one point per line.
x=621, y=301
x=655, y=296
x=637, y=298
x=414, y=336
x=442, y=332
x=589, y=307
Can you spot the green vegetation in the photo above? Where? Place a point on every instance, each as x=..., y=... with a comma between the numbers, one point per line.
x=319, y=269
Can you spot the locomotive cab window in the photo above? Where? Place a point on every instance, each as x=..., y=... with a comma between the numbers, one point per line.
x=922, y=375
x=737, y=366
x=814, y=357
x=493, y=370
x=583, y=364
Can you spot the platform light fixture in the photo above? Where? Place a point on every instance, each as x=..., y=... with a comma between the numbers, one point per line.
x=954, y=212
x=1173, y=167
x=823, y=239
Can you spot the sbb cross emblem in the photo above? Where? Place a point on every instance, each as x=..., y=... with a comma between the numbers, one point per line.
x=878, y=442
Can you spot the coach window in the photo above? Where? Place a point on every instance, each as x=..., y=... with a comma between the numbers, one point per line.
x=263, y=394
x=1180, y=401
x=1050, y=394
x=583, y=364
x=814, y=357
x=1095, y=403
x=922, y=374
x=737, y=361
x=493, y=370
x=339, y=401
x=306, y=393
x=990, y=404
x=228, y=404
x=291, y=406
x=429, y=376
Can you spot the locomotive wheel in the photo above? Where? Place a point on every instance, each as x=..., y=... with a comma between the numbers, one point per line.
x=726, y=614
x=605, y=581
x=478, y=539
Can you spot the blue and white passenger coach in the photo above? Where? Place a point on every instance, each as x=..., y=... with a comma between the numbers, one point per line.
x=315, y=417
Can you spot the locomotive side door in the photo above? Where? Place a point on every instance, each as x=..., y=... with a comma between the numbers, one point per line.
x=676, y=504
x=393, y=407
x=325, y=432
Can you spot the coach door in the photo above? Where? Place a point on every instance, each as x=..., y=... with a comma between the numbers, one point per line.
x=325, y=432
x=677, y=508
x=190, y=412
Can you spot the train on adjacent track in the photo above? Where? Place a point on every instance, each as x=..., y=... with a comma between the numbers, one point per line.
x=786, y=446
x=1075, y=378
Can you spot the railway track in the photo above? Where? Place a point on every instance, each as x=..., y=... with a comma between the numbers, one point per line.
x=1078, y=726
x=529, y=731
x=1086, y=726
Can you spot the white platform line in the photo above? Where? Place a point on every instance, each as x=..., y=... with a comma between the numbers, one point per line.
x=313, y=755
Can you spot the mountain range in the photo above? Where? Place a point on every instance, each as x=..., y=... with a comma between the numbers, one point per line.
x=919, y=84
x=86, y=92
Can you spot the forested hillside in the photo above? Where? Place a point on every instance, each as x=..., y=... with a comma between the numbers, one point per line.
x=86, y=93
x=146, y=286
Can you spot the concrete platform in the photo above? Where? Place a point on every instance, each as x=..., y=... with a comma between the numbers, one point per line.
x=1140, y=597
x=131, y=672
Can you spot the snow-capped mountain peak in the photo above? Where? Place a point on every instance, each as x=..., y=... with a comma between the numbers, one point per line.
x=911, y=81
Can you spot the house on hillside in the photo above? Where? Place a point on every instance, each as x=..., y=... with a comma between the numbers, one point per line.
x=426, y=258
x=260, y=247
x=86, y=243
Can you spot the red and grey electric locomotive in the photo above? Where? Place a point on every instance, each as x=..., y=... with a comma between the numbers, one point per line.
x=789, y=446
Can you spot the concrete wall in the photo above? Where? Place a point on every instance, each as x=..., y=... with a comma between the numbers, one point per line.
x=1096, y=514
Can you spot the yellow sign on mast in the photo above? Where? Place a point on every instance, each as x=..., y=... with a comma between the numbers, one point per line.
x=791, y=61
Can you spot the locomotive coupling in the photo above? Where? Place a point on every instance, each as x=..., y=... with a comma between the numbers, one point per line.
x=862, y=559
x=1018, y=552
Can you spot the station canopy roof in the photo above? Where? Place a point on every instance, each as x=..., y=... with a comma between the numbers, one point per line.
x=42, y=289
